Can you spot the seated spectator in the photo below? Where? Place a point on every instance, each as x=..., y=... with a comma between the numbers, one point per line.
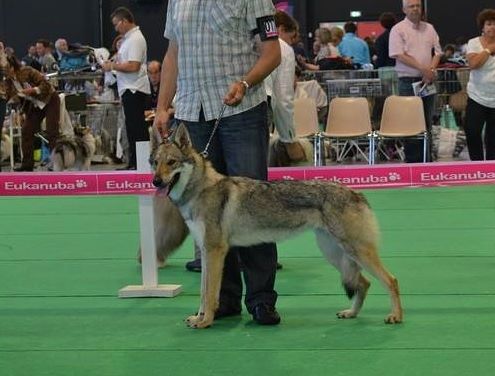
x=327, y=48
x=337, y=35
x=45, y=58
x=39, y=101
x=31, y=59
x=353, y=47
x=332, y=61
x=61, y=47
x=316, y=48
x=154, y=73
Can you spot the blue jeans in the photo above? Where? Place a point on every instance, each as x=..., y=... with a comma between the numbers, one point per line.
x=414, y=148
x=240, y=148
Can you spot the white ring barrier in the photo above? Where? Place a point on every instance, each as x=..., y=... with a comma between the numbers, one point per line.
x=140, y=183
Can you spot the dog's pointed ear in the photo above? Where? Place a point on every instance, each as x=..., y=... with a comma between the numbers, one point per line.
x=181, y=137
x=156, y=138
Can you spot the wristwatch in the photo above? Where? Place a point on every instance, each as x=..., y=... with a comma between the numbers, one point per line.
x=245, y=84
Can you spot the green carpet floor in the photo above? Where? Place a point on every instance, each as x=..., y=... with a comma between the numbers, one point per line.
x=62, y=261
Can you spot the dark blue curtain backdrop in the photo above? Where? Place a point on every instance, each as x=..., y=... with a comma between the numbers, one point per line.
x=87, y=21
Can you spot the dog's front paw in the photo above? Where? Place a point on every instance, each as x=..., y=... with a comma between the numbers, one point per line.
x=346, y=314
x=393, y=318
x=199, y=321
x=192, y=321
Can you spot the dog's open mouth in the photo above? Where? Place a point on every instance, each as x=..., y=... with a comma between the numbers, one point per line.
x=164, y=188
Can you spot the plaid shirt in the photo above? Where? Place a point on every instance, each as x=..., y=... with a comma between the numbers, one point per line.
x=216, y=40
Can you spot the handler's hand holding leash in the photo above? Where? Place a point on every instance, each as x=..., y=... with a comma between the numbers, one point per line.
x=236, y=93
x=234, y=96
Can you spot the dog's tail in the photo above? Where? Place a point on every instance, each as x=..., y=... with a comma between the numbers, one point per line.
x=170, y=229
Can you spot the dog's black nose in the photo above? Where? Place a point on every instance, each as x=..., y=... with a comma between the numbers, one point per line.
x=157, y=181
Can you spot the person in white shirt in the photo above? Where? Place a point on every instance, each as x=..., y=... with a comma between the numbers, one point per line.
x=61, y=47
x=280, y=87
x=132, y=79
x=480, y=110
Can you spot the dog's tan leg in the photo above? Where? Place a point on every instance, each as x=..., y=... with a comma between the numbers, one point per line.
x=361, y=245
x=367, y=257
x=194, y=320
x=211, y=269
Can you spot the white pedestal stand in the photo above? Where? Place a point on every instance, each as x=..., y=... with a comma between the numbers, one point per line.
x=150, y=286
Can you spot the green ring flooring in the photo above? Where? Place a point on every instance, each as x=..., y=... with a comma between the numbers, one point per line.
x=62, y=261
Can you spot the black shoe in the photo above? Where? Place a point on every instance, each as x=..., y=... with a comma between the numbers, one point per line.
x=265, y=314
x=194, y=266
x=227, y=311
x=23, y=168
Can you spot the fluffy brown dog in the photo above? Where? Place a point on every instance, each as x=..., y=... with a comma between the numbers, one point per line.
x=74, y=152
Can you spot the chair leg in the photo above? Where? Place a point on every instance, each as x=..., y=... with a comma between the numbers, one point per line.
x=355, y=145
x=346, y=148
x=425, y=147
x=318, y=150
x=315, y=150
x=371, y=157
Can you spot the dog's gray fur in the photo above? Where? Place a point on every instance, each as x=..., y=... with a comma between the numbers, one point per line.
x=225, y=211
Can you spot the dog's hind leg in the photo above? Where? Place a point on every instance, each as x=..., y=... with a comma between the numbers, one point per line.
x=354, y=283
x=367, y=256
x=212, y=262
x=360, y=241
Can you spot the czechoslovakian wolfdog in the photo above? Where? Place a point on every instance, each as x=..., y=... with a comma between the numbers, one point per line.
x=74, y=152
x=221, y=212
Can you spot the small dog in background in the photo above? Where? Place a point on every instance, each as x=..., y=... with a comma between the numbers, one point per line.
x=297, y=153
x=74, y=152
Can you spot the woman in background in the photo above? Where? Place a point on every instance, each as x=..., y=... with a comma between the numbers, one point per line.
x=40, y=100
x=480, y=111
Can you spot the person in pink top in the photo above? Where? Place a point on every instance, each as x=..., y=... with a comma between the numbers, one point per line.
x=416, y=47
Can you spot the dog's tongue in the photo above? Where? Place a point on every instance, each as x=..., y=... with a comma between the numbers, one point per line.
x=163, y=192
